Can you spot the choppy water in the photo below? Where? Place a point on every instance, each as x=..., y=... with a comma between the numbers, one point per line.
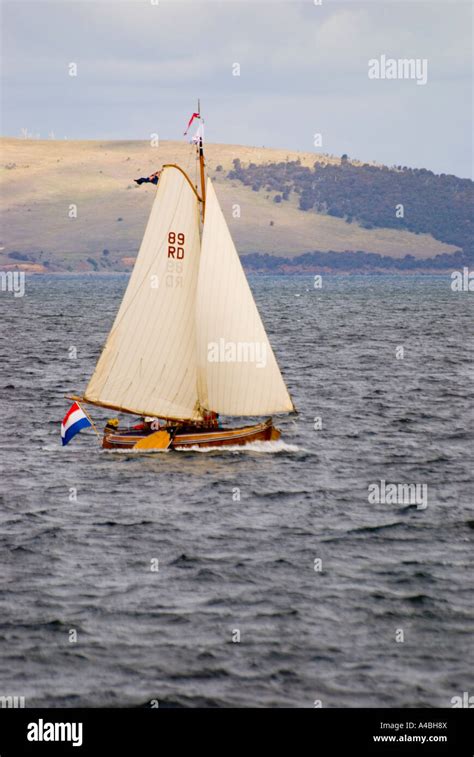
x=248, y=564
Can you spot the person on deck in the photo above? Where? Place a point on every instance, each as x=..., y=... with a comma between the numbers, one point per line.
x=211, y=419
x=147, y=425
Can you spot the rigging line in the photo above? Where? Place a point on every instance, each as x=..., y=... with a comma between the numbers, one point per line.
x=190, y=155
x=188, y=165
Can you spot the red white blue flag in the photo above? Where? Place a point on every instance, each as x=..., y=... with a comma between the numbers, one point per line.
x=73, y=422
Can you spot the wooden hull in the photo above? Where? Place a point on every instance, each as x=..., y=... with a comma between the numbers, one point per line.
x=215, y=437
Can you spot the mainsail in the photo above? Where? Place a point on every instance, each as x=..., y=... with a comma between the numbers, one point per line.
x=237, y=370
x=149, y=362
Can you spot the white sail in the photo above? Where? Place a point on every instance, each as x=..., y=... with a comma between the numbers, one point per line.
x=148, y=365
x=237, y=370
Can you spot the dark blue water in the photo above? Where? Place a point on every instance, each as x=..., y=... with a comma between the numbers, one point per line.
x=388, y=570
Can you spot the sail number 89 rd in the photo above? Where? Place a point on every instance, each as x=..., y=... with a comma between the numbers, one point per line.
x=176, y=245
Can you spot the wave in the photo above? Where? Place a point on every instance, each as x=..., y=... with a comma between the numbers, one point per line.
x=266, y=447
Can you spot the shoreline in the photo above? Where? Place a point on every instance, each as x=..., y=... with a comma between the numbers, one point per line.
x=255, y=272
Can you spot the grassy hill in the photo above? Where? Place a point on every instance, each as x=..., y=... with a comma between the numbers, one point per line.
x=414, y=199
x=40, y=180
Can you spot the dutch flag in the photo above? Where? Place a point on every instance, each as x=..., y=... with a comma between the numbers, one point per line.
x=74, y=420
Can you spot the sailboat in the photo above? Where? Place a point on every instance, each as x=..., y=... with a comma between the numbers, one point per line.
x=188, y=345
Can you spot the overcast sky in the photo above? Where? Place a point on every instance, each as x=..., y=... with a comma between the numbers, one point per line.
x=303, y=70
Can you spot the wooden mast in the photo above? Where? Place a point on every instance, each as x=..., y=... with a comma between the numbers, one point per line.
x=201, y=166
